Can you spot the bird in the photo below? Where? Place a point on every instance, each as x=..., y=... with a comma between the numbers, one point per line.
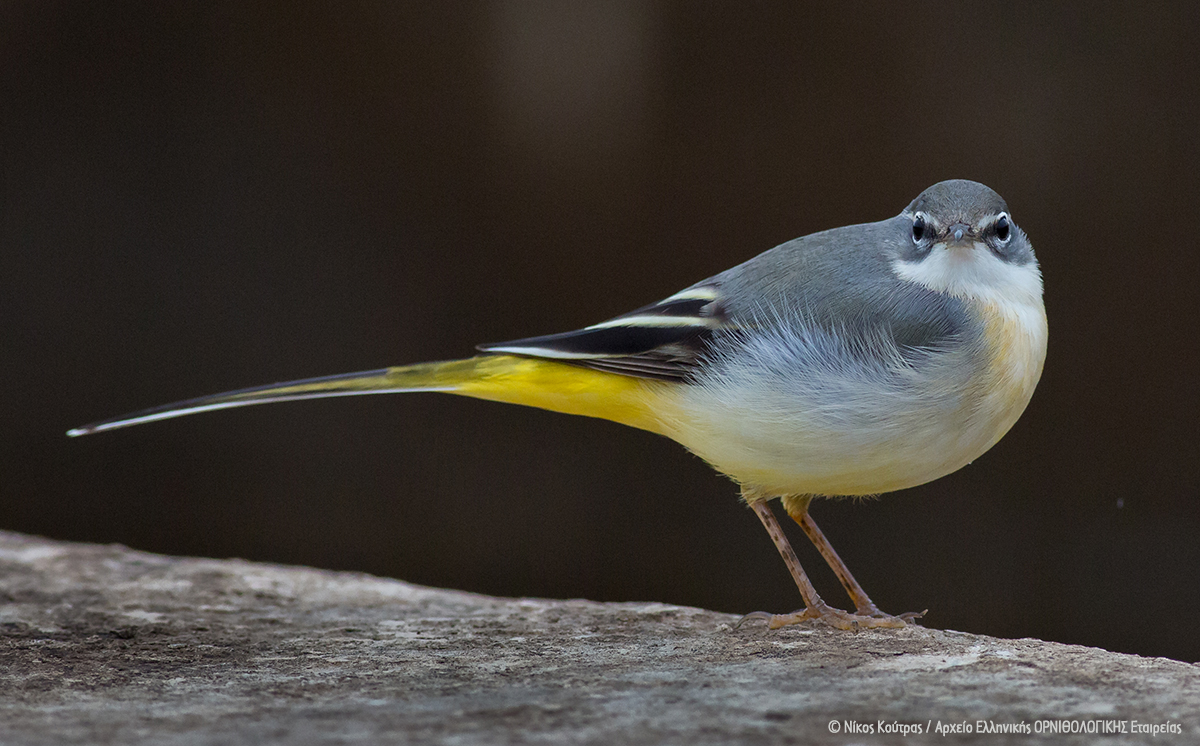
x=854, y=361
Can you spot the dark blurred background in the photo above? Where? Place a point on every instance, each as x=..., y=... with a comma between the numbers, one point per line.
x=198, y=196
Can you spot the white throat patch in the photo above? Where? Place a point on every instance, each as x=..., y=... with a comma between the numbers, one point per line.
x=974, y=273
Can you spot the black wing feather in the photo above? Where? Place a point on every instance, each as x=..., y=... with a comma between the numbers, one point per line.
x=645, y=343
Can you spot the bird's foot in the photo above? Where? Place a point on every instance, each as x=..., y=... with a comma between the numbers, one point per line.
x=865, y=618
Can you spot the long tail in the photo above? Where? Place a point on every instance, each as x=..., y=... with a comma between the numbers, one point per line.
x=517, y=380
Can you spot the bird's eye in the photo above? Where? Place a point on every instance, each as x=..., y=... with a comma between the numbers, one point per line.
x=1003, y=233
x=919, y=229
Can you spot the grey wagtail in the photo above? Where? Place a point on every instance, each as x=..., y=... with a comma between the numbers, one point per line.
x=854, y=361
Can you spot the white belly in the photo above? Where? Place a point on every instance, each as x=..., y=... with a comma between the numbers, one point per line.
x=805, y=426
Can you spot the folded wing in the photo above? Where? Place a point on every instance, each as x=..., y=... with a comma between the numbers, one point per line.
x=663, y=341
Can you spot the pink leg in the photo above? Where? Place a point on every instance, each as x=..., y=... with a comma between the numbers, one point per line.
x=814, y=606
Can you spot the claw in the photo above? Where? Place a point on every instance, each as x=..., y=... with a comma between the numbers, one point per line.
x=753, y=615
x=836, y=618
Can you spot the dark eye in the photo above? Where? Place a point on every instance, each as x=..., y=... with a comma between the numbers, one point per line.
x=919, y=229
x=1002, y=229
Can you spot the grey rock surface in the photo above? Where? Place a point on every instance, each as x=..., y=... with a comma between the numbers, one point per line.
x=102, y=644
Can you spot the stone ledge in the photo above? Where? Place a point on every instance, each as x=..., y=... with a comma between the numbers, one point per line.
x=102, y=644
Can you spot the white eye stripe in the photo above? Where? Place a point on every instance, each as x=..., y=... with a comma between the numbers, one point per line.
x=988, y=221
x=997, y=223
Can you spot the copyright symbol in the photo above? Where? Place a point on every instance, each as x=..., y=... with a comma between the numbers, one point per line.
x=834, y=726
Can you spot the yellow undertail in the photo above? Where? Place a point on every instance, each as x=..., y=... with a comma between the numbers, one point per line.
x=558, y=387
